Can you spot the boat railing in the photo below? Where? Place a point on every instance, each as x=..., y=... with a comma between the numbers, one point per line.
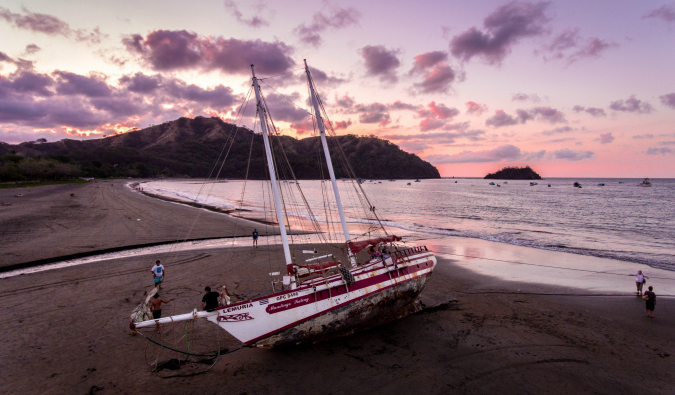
x=402, y=255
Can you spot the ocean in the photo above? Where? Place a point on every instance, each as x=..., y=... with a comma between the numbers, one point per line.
x=619, y=220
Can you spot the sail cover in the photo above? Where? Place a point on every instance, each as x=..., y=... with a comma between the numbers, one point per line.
x=356, y=246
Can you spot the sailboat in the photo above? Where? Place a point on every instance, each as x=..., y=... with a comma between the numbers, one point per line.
x=322, y=300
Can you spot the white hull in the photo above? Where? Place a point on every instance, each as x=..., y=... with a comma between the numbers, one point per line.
x=322, y=308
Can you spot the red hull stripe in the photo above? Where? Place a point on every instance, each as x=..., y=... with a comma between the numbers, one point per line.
x=338, y=306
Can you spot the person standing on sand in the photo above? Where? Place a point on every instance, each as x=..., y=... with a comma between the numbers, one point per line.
x=255, y=237
x=650, y=298
x=158, y=273
x=156, y=306
x=640, y=280
x=210, y=300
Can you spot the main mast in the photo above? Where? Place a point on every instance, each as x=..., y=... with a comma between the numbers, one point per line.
x=273, y=176
x=329, y=163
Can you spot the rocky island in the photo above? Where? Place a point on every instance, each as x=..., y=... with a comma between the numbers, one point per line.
x=514, y=173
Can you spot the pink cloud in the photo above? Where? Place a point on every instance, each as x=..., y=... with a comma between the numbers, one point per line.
x=474, y=108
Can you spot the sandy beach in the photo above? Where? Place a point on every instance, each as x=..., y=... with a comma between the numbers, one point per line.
x=66, y=330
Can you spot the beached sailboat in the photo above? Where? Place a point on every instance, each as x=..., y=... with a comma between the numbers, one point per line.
x=322, y=300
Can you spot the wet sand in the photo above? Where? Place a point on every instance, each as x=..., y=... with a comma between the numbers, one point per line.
x=47, y=222
x=66, y=331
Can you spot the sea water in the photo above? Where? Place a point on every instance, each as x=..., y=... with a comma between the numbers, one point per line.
x=619, y=220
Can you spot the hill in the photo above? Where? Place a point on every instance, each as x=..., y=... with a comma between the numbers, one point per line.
x=190, y=147
x=514, y=173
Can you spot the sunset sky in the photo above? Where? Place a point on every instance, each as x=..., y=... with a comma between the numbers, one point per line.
x=572, y=88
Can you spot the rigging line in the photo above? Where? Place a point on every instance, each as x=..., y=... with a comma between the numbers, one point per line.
x=234, y=129
x=278, y=75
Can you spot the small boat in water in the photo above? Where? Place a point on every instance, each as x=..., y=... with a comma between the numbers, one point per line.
x=417, y=180
x=549, y=185
x=645, y=183
x=602, y=184
x=492, y=183
x=533, y=184
x=577, y=185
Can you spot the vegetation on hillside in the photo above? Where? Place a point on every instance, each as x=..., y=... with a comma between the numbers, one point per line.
x=514, y=173
x=190, y=148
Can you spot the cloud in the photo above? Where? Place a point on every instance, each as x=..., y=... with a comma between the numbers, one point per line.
x=666, y=13
x=659, y=151
x=643, y=136
x=337, y=125
x=141, y=83
x=373, y=113
x=667, y=143
x=569, y=46
x=31, y=49
x=436, y=116
x=545, y=114
x=606, y=138
x=399, y=105
x=345, y=102
x=474, y=108
x=505, y=152
x=594, y=111
x=166, y=50
x=68, y=83
x=439, y=138
x=50, y=25
x=254, y=21
x=338, y=18
x=437, y=75
x=571, y=155
x=525, y=97
x=217, y=97
x=501, y=119
x=632, y=105
x=562, y=140
x=323, y=78
x=506, y=26
x=668, y=100
x=380, y=62
x=282, y=109
x=427, y=60
x=562, y=129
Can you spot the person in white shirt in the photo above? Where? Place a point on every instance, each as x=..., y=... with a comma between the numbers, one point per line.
x=158, y=273
x=639, y=281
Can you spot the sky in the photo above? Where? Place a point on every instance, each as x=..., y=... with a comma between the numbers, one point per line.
x=570, y=88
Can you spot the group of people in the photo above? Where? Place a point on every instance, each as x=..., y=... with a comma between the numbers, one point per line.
x=379, y=252
x=210, y=301
x=649, y=296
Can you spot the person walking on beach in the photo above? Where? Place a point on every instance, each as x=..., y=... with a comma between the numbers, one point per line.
x=640, y=280
x=650, y=298
x=158, y=273
x=255, y=237
x=210, y=300
x=156, y=306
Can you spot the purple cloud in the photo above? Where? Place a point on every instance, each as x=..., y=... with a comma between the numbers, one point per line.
x=501, y=119
x=474, y=108
x=548, y=114
x=643, y=136
x=570, y=46
x=439, y=138
x=254, y=21
x=48, y=24
x=505, y=152
x=179, y=49
x=283, y=110
x=659, y=151
x=374, y=113
x=68, y=83
x=562, y=129
x=437, y=74
x=594, y=111
x=525, y=97
x=337, y=19
x=668, y=100
x=632, y=105
x=399, y=105
x=345, y=102
x=572, y=155
x=141, y=83
x=31, y=49
x=606, y=138
x=219, y=97
x=29, y=82
x=503, y=28
x=666, y=13
x=380, y=62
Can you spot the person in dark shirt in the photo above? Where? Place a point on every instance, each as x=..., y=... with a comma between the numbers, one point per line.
x=651, y=301
x=210, y=300
x=255, y=237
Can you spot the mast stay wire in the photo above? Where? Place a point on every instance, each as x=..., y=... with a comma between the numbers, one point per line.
x=229, y=140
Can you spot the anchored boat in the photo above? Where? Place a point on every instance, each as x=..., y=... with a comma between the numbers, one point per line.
x=330, y=298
